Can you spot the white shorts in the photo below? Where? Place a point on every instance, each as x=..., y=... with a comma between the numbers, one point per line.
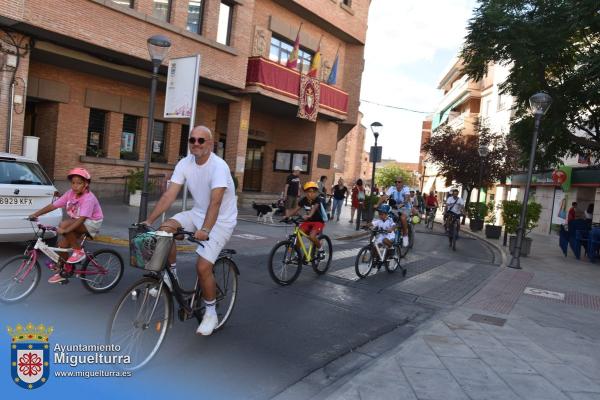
x=381, y=236
x=218, y=238
x=93, y=227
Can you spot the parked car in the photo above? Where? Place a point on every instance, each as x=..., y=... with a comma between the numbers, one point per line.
x=24, y=188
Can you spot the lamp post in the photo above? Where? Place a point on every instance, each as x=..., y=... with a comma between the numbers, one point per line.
x=376, y=128
x=539, y=104
x=158, y=46
x=483, y=153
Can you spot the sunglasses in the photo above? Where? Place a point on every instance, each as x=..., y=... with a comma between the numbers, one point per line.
x=193, y=140
x=399, y=181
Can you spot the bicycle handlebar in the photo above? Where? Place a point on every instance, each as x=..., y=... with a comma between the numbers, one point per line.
x=42, y=226
x=292, y=220
x=190, y=235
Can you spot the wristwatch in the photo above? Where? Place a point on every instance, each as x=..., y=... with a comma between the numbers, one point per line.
x=205, y=230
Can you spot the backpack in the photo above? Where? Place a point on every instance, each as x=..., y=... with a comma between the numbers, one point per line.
x=324, y=214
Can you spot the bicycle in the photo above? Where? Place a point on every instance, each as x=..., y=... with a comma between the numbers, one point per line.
x=20, y=275
x=452, y=228
x=430, y=217
x=410, y=231
x=293, y=253
x=144, y=313
x=372, y=256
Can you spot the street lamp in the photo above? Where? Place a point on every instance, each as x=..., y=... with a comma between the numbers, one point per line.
x=376, y=128
x=483, y=151
x=158, y=47
x=539, y=104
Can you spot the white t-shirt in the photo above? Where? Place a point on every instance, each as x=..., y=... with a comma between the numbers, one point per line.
x=387, y=224
x=399, y=196
x=201, y=179
x=455, y=208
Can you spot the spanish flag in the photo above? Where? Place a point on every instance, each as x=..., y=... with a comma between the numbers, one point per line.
x=292, y=61
x=316, y=62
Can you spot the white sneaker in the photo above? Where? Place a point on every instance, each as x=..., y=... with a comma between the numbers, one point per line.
x=404, y=241
x=208, y=324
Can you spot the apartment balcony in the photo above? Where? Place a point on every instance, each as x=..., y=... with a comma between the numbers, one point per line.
x=276, y=81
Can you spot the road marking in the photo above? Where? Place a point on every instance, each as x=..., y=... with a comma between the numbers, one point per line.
x=338, y=255
x=544, y=293
x=249, y=236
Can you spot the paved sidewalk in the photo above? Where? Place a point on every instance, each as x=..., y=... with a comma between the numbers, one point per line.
x=527, y=334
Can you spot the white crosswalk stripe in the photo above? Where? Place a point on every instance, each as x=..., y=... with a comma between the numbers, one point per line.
x=350, y=274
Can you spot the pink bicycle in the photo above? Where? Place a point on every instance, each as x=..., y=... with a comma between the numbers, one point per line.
x=99, y=272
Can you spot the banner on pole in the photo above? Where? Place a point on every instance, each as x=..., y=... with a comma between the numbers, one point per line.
x=182, y=86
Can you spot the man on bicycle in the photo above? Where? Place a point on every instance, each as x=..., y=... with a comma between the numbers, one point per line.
x=431, y=204
x=314, y=220
x=214, y=213
x=454, y=208
x=399, y=197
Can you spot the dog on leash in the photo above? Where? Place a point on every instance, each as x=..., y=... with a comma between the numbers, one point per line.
x=264, y=212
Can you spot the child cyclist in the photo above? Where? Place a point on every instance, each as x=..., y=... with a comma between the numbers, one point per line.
x=385, y=222
x=84, y=212
x=313, y=223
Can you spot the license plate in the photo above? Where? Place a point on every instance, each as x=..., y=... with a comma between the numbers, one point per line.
x=15, y=201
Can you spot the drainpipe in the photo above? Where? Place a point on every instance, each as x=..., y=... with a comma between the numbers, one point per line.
x=9, y=113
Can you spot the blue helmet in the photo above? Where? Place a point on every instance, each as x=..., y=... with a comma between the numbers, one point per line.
x=384, y=208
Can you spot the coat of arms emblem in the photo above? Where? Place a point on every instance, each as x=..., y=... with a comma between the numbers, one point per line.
x=30, y=355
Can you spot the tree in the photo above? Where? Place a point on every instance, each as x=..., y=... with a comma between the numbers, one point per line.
x=457, y=157
x=386, y=176
x=551, y=45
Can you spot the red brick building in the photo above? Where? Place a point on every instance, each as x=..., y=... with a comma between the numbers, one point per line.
x=76, y=74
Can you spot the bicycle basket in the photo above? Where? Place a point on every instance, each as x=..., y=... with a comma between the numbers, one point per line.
x=149, y=250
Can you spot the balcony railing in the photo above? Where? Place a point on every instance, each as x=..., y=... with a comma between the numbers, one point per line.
x=281, y=80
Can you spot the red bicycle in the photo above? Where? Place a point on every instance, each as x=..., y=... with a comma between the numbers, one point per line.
x=99, y=272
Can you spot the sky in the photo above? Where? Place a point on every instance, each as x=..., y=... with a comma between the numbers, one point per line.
x=410, y=43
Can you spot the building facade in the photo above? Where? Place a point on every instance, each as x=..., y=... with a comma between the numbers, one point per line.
x=82, y=88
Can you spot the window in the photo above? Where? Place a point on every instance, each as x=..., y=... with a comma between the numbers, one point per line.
x=286, y=160
x=161, y=9
x=280, y=51
x=96, y=131
x=158, y=144
x=22, y=173
x=125, y=3
x=128, y=137
x=225, y=19
x=195, y=14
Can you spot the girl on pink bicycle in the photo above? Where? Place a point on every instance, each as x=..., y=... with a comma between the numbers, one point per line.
x=85, y=216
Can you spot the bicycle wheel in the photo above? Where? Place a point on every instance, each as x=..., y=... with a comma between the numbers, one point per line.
x=19, y=277
x=411, y=236
x=321, y=264
x=364, y=261
x=284, y=263
x=140, y=321
x=226, y=279
x=393, y=262
x=106, y=259
x=454, y=236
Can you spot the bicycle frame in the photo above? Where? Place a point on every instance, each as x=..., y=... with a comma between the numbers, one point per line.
x=297, y=237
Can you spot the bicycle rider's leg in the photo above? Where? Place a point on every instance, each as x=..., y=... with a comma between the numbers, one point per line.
x=171, y=226
x=71, y=239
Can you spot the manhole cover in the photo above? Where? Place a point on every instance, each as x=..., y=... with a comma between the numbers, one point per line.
x=487, y=319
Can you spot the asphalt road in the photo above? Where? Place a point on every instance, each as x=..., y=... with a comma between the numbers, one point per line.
x=287, y=341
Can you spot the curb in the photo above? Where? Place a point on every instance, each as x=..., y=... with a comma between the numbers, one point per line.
x=500, y=250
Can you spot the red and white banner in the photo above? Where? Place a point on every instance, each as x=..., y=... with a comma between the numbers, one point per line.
x=309, y=96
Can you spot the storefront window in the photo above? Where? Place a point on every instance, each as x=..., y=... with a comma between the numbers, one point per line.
x=158, y=144
x=286, y=160
x=195, y=15
x=96, y=132
x=128, y=137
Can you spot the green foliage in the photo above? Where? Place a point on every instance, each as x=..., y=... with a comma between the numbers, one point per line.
x=386, y=176
x=491, y=210
x=477, y=210
x=129, y=155
x=94, y=152
x=511, y=214
x=551, y=45
x=135, y=180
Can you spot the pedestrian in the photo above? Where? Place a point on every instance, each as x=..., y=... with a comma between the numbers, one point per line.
x=340, y=193
x=358, y=198
x=420, y=203
x=322, y=188
x=571, y=213
x=292, y=189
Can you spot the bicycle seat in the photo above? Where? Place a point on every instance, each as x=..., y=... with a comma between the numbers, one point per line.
x=228, y=252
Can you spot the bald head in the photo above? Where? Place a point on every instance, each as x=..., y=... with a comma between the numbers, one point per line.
x=202, y=128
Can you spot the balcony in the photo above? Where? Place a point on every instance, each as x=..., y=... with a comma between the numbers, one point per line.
x=274, y=80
